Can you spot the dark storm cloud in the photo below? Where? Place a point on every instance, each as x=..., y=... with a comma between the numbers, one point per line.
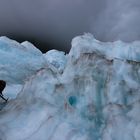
x=56, y=22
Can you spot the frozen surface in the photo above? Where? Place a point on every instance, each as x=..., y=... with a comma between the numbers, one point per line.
x=12, y=90
x=19, y=61
x=97, y=97
x=56, y=58
x=110, y=50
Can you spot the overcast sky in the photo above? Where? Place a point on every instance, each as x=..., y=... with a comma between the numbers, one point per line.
x=53, y=23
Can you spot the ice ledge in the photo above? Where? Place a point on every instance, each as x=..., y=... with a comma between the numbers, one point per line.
x=110, y=50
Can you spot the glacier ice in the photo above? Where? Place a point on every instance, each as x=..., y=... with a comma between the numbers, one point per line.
x=19, y=61
x=57, y=59
x=92, y=93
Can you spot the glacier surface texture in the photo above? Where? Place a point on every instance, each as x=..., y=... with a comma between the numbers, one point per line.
x=92, y=93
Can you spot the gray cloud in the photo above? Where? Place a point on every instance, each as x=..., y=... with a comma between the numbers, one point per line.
x=119, y=20
x=60, y=20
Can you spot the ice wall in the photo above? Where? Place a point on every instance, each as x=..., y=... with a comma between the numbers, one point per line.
x=19, y=61
x=95, y=97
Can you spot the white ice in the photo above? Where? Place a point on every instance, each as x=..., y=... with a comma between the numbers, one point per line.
x=56, y=58
x=93, y=93
x=19, y=61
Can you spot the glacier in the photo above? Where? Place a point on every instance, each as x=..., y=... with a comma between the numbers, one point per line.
x=92, y=93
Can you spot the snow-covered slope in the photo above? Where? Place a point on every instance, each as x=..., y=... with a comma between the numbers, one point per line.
x=96, y=96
